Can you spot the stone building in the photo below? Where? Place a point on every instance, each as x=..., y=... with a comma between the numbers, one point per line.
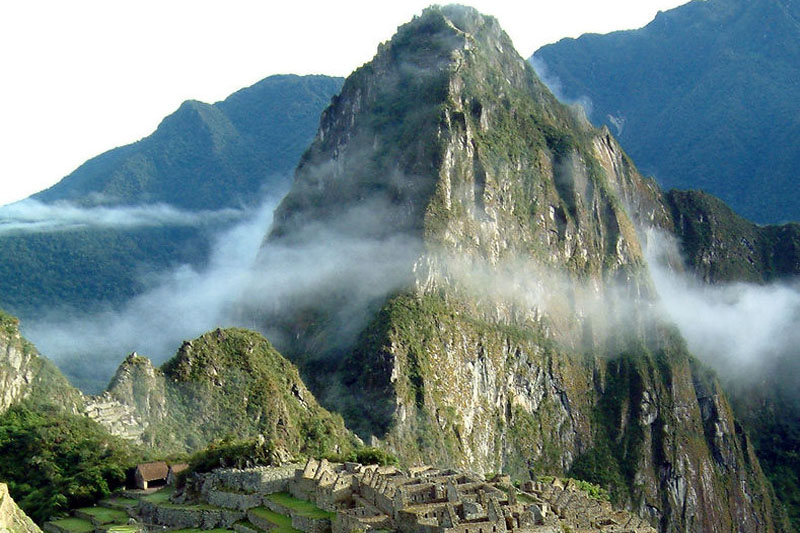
x=427, y=500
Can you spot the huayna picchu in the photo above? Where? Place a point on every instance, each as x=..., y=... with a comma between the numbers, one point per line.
x=517, y=330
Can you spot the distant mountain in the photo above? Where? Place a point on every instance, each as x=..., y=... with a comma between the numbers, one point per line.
x=202, y=159
x=207, y=156
x=703, y=97
x=470, y=286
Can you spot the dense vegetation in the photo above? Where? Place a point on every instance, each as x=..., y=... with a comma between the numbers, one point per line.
x=704, y=97
x=54, y=461
x=90, y=268
x=246, y=453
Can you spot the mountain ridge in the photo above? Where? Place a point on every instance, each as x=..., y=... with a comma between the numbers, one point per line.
x=201, y=158
x=702, y=97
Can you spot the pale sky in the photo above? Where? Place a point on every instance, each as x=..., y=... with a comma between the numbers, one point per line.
x=80, y=77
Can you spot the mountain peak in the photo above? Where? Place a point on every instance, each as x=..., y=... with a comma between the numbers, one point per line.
x=383, y=139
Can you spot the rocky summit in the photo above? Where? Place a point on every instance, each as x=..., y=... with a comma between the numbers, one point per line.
x=517, y=329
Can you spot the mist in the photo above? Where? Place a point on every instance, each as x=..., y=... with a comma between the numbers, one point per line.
x=181, y=304
x=582, y=103
x=743, y=330
x=249, y=282
x=32, y=216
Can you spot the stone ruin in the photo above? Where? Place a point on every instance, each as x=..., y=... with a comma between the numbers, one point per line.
x=428, y=500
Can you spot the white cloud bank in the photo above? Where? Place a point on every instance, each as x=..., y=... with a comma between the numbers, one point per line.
x=32, y=216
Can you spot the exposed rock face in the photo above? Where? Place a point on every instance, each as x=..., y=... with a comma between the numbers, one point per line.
x=523, y=337
x=12, y=518
x=24, y=374
x=135, y=399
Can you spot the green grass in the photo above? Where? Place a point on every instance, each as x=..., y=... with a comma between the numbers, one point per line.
x=195, y=530
x=283, y=523
x=524, y=498
x=119, y=502
x=248, y=524
x=116, y=528
x=104, y=515
x=75, y=525
x=301, y=507
x=161, y=498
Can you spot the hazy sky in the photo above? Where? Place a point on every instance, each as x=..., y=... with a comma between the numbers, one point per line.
x=84, y=76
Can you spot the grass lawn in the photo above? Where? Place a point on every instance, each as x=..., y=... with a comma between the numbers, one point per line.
x=123, y=529
x=524, y=498
x=104, y=515
x=161, y=498
x=283, y=523
x=301, y=507
x=76, y=525
x=216, y=530
x=120, y=501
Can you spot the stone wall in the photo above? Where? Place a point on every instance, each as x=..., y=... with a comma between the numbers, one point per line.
x=184, y=517
x=311, y=525
x=234, y=500
x=262, y=480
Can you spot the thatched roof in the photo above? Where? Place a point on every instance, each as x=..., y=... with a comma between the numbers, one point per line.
x=177, y=468
x=153, y=471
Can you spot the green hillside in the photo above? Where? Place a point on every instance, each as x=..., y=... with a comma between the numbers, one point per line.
x=703, y=97
x=201, y=158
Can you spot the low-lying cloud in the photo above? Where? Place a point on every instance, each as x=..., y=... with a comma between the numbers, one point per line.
x=32, y=216
x=182, y=304
x=741, y=329
x=347, y=269
x=247, y=283
x=583, y=103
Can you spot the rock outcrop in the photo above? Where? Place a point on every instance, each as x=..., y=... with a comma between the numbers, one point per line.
x=229, y=382
x=26, y=375
x=12, y=518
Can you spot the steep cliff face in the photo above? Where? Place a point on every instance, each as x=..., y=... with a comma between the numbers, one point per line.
x=24, y=374
x=730, y=253
x=520, y=333
x=135, y=400
x=12, y=518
